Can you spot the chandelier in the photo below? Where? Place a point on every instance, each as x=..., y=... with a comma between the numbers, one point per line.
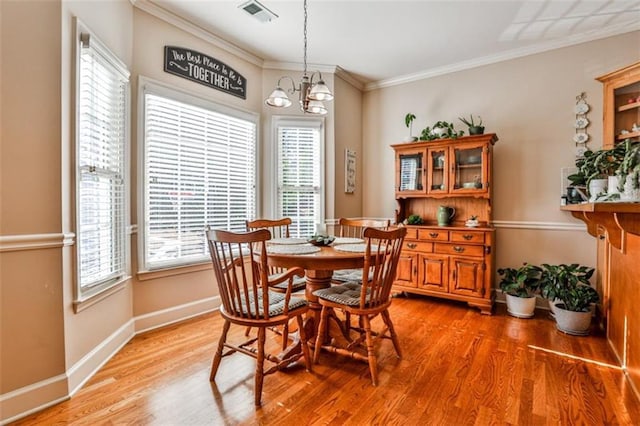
x=311, y=94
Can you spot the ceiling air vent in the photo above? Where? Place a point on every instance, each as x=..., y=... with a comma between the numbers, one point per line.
x=258, y=11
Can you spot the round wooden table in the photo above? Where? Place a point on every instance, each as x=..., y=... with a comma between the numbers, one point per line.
x=318, y=267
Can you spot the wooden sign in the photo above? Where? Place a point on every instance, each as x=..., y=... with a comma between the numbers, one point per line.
x=204, y=69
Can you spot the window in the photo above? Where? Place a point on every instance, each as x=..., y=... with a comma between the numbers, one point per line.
x=300, y=174
x=199, y=171
x=102, y=98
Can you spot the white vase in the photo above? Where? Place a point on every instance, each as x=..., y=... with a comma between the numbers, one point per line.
x=521, y=307
x=597, y=187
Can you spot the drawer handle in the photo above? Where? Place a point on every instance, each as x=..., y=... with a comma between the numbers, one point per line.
x=433, y=234
x=412, y=245
x=458, y=249
x=467, y=236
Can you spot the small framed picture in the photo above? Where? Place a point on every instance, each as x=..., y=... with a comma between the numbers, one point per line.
x=349, y=171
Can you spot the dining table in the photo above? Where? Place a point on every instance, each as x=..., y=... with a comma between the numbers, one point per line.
x=318, y=262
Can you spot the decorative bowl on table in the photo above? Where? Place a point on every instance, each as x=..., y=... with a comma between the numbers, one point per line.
x=321, y=240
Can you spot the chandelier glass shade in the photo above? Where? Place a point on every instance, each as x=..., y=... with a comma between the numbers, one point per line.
x=312, y=94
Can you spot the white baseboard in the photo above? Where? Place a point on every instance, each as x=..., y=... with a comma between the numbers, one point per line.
x=32, y=398
x=173, y=314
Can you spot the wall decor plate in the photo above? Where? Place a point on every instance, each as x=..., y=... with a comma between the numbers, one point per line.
x=581, y=108
x=580, y=137
x=581, y=123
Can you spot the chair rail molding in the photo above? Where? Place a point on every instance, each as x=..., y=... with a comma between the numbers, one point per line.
x=36, y=241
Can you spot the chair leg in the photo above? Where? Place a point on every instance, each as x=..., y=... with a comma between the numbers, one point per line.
x=259, y=366
x=285, y=335
x=247, y=331
x=394, y=337
x=373, y=362
x=324, y=319
x=217, y=357
x=303, y=341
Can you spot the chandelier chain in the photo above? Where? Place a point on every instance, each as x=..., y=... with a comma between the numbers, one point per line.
x=305, y=37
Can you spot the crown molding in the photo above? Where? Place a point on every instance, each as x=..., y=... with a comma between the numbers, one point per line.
x=513, y=54
x=330, y=69
x=173, y=19
x=346, y=76
x=295, y=66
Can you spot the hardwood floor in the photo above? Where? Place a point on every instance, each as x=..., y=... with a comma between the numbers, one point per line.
x=459, y=367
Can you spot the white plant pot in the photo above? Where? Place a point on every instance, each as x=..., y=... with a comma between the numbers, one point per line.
x=597, y=187
x=521, y=307
x=575, y=323
x=612, y=185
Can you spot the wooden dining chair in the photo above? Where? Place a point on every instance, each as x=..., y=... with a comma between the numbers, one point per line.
x=354, y=228
x=279, y=228
x=246, y=290
x=366, y=299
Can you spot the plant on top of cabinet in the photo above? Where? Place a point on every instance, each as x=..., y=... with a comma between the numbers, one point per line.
x=408, y=121
x=414, y=219
x=440, y=130
x=474, y=128
x=520, y=287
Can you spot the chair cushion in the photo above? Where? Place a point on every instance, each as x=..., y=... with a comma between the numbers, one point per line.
x=347, y=275
x=299, y=283
x=276, y=304
x=345, y=294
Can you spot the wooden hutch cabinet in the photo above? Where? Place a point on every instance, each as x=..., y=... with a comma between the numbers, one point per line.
x=454, y=261
x=621, y=106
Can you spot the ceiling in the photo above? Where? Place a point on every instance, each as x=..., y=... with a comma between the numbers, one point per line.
x=379, y=42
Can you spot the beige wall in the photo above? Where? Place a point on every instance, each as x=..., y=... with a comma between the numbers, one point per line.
x=31, y=315
x=348, y=135
x=529, y=103
x=47, y=349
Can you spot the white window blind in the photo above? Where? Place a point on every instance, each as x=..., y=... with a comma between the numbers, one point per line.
x=102, y=127
x=300, y=176
x=199, y=172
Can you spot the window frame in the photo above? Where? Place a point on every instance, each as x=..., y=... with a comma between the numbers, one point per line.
x=86, y=295
x=306, y=122
x=146, y=86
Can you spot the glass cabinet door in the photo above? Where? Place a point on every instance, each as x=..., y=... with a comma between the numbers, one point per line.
x=411, y=172
x=469, y=173
x=437, y=167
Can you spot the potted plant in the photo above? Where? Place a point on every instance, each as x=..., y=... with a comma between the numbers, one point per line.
x=594, y=168
x=474, y=128
x=408, y=121
x=570, y=296
x=440, y=130
x=628, y=172
x=520, y=287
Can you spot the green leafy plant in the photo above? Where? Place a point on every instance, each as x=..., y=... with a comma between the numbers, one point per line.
x=629, y=167
x=440, y=130
x=566, y=282
x=408, y=120
x=414, y=219
x=597, y=165
x=520, y=282
x=470, y=122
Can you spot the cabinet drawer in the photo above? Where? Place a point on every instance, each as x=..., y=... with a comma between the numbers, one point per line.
x=418, y=246
x=459, y=249
x=412, y=233
x=467, y=237
x=433, y=235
